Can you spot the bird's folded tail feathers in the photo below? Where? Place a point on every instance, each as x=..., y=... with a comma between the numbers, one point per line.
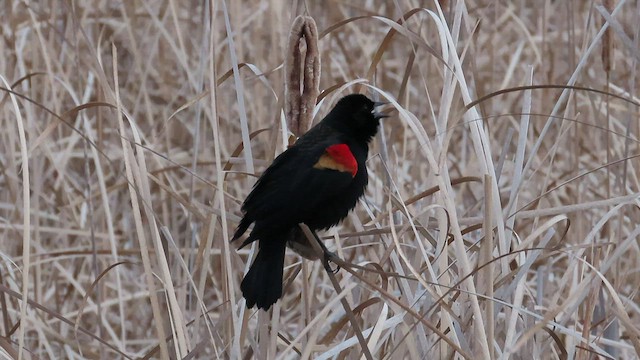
x=262, y=286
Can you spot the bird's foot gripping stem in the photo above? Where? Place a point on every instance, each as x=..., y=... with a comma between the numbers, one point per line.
x=321, y=251
x=327, y=256
x=330, y=257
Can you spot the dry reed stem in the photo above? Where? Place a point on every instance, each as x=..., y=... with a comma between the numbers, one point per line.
x=314, y=242
x=302, y=75
x=158, y=314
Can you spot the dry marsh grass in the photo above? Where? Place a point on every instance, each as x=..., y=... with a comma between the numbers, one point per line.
x=500, y=219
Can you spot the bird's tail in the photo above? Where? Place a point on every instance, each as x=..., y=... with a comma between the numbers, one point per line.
x=262, y=285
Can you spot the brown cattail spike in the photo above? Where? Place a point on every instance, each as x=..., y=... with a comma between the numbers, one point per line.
x=607, y=40
x=302, y=77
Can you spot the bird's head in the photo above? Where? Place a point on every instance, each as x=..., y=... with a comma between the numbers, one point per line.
x=356, y=115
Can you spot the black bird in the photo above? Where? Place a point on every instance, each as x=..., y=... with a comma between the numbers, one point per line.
x=316, y=181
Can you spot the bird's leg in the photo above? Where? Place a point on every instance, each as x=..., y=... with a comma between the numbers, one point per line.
x=320, y=249
x=327, y=255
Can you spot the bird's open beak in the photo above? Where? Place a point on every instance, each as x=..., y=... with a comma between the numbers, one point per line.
x=377, y=114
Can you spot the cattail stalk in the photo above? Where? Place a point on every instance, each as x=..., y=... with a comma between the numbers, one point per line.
x=302, y=75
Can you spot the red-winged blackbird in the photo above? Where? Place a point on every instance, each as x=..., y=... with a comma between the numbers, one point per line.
x=316, y=181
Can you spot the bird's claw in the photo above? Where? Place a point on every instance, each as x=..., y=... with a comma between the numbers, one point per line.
x=328, y=257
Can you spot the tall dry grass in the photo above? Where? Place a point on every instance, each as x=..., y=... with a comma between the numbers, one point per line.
x=500, y=221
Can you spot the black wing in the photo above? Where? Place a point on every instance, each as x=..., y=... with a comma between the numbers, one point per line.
x=291, y=188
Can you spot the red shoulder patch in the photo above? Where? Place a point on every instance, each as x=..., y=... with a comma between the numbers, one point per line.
x=338, y=157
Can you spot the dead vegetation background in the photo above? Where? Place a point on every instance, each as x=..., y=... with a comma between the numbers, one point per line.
x=503, y=199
